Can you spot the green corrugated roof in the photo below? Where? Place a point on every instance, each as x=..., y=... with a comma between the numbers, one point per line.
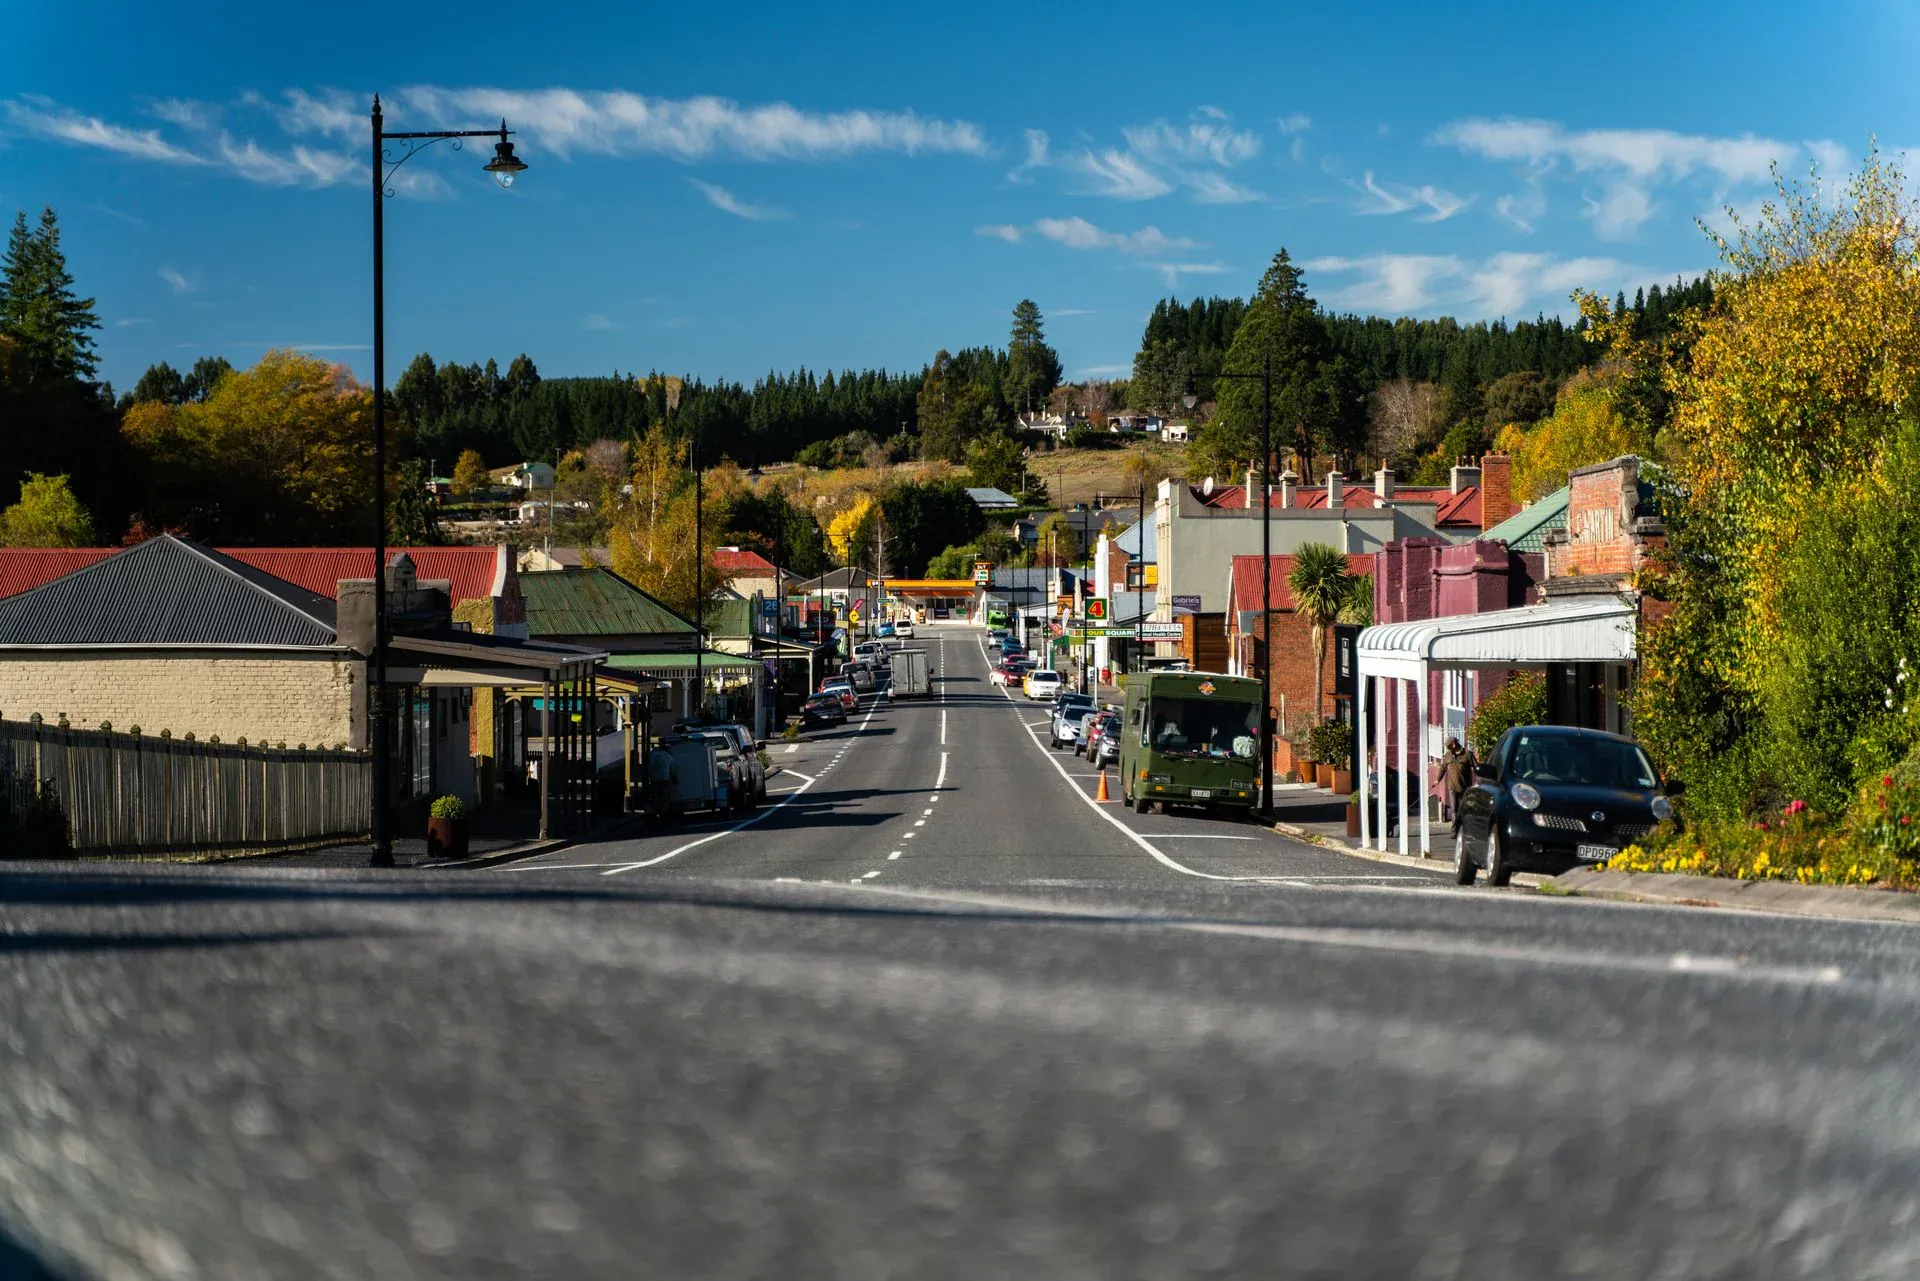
x=711, y=659
x=729, y=618
x=594, y=602
x=1527, y=529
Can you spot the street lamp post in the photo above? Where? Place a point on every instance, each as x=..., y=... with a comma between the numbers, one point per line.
x=1265, y=378
x=504, y=167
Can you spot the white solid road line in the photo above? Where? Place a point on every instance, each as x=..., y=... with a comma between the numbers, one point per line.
x=1199, y=836
x=943, y=727
x=1131, y=835
x=941, y=781
x=744, y=823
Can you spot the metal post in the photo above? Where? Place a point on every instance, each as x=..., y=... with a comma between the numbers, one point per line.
x=1360, y=711
x=548, y=687
x=379, y=732
x=699, y=587
x=1266, y=587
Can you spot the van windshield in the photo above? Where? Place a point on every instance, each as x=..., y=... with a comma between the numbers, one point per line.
x=1202, y=727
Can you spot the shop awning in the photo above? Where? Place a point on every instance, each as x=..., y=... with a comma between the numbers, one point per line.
x=680, y=664
x=1584, y=629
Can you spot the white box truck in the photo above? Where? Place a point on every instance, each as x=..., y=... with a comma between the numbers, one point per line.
x=912, y=676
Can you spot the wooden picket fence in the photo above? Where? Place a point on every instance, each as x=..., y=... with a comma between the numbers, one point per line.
x=137, y=796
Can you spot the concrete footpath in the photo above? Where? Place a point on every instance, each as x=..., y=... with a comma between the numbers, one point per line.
x=1678, y=890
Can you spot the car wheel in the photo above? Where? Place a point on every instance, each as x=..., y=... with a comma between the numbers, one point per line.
x=1464, y=871
x=1142, y=805
x=1498, y=873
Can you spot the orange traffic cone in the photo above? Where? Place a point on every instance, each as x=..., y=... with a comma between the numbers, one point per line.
x=1101, y=795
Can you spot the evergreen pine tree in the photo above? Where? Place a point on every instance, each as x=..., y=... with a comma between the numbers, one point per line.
x=49, y=326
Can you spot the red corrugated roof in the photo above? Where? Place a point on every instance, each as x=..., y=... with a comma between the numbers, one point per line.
x=1244, y=592
x=740, y=560
x=318, y=569
x=1455, y=511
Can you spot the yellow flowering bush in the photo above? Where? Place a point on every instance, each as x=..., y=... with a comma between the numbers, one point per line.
x=1799, y=845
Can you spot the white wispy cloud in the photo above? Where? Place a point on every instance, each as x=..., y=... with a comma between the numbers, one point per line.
x=330, y=113
x=41, y=117
x=178, y=282
x=1522, y=208
x=720, y=198
x=301, y=166
x=126, y=321
x=1078, y=233
x=1120, y=175
x=1211, y=188
x=1619, y=210
x=617, y=122
x=597, y=323
x=1203, y=142
x=1502, y=284
x=186, y=113
x=1100, y=371
x=1640, y=154
x=1053, y=313
x=1036, y=157
x=1297, y=122
x=1439, y=203
x=1172, y=271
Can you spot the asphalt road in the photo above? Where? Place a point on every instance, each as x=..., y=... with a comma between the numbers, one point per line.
x=1028, y=1048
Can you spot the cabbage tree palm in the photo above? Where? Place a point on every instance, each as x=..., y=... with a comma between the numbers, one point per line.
x=1320, y=585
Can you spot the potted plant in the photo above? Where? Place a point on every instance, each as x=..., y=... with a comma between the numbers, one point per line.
x=1328, y=742
x=447, y=828
x=1353, y=814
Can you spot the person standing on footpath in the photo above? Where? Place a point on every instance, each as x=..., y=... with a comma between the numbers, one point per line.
x=1457, y=770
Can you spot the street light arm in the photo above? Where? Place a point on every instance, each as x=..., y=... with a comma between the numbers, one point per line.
x=419, y=142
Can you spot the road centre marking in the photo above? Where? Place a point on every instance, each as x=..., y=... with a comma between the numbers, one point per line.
x=919, y=822
x=1107, y=815
x=893, y=856
x=745, y=823
x=870, y=875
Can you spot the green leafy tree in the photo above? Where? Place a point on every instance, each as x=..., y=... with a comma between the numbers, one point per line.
x=50, y=325
x=1033, y=368
x=1161, y=371
x=470, y=473
x=1322, y=586
x=956, y=408
x=1522, y=700
x=410, y=518
x=47, y=515
x=161, y=383
x=204, y=378
x=924, y=517
x=1524, y=397
x=1058, y=544
x=996, y=461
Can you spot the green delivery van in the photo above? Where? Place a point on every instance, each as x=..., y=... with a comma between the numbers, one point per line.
x=1190, y=738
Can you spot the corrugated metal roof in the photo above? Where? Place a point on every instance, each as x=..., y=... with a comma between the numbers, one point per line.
x=318, y=569
x=167, y=591
x=1526, y=530
x=1453, y=510
x=729, y=618
x=593, y=602
x=710, y=659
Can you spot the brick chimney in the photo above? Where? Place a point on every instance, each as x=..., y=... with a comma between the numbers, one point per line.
x=1249, y=487
x=1463, y=476
x=1336, y=491
x=1496, y=489
x=1289, y=485
x=1383, y=486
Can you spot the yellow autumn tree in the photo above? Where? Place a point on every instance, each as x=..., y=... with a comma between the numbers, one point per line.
x=850, y=534
x=1586, y=426
x=651, y=532
x=1796, y=386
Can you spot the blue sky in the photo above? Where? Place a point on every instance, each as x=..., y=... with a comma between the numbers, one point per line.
x=726, y=189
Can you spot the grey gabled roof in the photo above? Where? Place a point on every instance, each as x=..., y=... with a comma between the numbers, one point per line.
x=167, y=591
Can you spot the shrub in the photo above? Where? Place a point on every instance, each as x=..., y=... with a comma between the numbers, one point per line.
x=32, y=822
x=1521, y=701
x=448, y=807
x=1331, y=743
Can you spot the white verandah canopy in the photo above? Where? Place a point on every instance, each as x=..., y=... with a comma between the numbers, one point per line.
x=1589, y=629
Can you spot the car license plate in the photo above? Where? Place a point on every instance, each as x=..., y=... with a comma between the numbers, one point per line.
x=1594, y=853
x=1203, y=793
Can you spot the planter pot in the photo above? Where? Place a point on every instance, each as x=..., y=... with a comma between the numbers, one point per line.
x=1322, y=774
x=446, y=838
x=1353, y=818
x=1342, y=780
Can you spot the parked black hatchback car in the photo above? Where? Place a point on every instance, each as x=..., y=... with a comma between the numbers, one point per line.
x=1553, y=798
